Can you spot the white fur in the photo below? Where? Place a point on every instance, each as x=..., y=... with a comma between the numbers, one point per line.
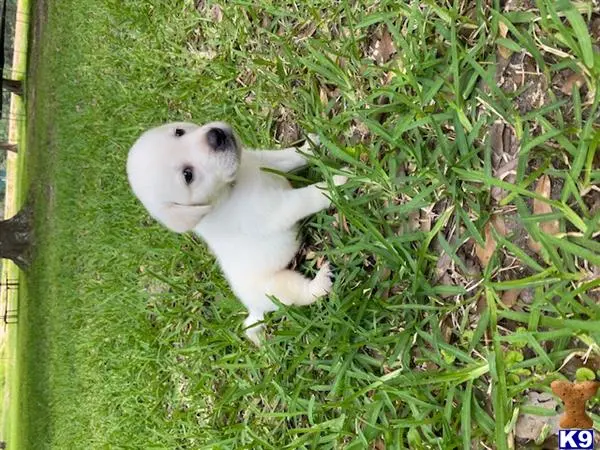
x=246, y=216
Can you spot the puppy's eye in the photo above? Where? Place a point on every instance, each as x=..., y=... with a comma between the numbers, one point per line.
x=179, y=132
x=188, y=175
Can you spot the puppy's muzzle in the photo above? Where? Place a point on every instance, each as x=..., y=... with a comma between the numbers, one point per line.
x=220, y=139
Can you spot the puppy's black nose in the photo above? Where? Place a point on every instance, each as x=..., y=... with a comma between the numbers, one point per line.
x=218, y=138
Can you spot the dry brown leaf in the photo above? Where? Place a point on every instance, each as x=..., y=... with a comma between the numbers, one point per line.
x=543, y=188
x=426, y=220
x=379, y=444
x=502, y=29
x=383, y=49
x=498, y=222
x=575, y=79
x=480, y=307
x=510, y=297
x=485, y=253
x=504, y=52
x=446, y=328
x=306, y=31
x=413, y=222
x=323, y=96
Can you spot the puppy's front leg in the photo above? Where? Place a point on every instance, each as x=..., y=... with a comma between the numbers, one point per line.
x=286, y=159
x=296, y=204
x=283, y=160
x=253, y=328
x=293, y=288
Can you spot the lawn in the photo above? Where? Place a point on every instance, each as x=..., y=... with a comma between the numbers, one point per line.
x=465, y=243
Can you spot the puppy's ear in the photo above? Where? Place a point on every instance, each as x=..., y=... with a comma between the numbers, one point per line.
x=182, y=218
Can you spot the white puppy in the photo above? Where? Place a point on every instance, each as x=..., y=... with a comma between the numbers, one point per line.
x=198, y=178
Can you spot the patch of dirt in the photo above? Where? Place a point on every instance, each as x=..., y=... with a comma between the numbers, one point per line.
x=592, y=200
x=287, y=130
x=215, y=12
x=331, y=99
x=520, y=75
x=595, y=30
x=37, y=23
x=505, y=155
x=530, y=427
x=517, y=5
x=565, y=80
x=358, y=133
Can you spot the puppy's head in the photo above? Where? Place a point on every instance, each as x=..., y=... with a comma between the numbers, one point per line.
x=180, y=170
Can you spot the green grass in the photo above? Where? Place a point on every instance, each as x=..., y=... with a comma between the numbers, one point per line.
x=131, y=338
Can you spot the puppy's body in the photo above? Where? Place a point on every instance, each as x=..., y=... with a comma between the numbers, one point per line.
x=246, y=216
x=248, y=246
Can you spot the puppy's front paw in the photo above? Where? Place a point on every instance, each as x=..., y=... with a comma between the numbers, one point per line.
x=312, y=141
x=338, y=180
x=255, y=335
x=321, y=284
x=254, y=330
x=311, y=138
